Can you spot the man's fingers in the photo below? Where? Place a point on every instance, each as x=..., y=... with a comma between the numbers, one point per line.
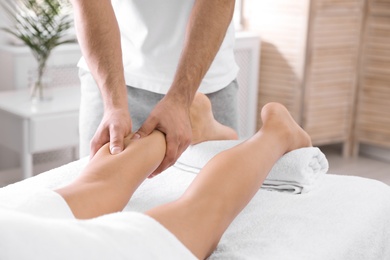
x=164, y=165
x=96, y=144
x=116, y=141
x=114, y=127
x=93, y=152
x=170, y=155
x=115, y=149
x=146, y=129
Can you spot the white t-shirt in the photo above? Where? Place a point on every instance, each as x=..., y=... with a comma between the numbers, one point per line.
x=152, y=38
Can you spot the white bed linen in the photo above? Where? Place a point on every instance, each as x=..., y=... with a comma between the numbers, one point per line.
x=125, y=235
x=344, y=218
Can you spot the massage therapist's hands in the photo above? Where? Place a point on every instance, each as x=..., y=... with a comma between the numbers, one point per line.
x=205, y=32
x=114, y=127
x=98, y=35
x=170, y=116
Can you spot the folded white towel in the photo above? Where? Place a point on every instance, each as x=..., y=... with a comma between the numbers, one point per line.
x=296, y=172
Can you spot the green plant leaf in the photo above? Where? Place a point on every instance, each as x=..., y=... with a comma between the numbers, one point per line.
x=40, y=24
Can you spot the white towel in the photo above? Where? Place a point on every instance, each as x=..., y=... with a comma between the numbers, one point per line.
x=298, y=171
x=45, y=203
x=126, y=235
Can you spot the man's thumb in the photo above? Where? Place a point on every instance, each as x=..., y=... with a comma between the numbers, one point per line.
x=116, y=144
x=115, y=150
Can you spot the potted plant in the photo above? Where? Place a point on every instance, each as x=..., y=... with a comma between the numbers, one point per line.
x=42, y=25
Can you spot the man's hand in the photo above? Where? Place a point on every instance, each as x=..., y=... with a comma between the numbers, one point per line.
x=171, y=117
x=98, y=35
x=114, y=127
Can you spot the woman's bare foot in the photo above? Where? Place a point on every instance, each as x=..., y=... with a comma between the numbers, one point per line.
x=204, y=125
x=276, y=119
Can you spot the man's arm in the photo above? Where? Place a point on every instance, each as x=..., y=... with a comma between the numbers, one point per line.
x=206, y=30
x=99, y=37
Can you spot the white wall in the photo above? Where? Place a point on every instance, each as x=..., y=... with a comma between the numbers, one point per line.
x=4, y=36
x=2, y=33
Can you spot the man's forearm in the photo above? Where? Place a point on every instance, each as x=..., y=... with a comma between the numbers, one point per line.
x=206, y=30
x=99, y=38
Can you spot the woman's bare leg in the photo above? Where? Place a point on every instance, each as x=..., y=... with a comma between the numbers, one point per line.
x=228, y=182
x=108, y=181
x=204, y=126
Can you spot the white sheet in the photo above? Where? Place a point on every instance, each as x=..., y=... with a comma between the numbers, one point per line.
x=344, y=218
x=126, y=235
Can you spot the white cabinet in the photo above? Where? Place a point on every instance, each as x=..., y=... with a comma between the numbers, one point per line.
x=54, y=131
x=17, y=70
x=29, y=128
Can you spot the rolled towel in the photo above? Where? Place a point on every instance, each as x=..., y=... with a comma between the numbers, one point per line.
x=298, y=171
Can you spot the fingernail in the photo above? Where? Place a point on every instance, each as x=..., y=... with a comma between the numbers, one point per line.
x=136, y=136
x=115, y=150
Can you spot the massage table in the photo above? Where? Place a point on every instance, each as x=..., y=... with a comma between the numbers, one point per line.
x=321, y=217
